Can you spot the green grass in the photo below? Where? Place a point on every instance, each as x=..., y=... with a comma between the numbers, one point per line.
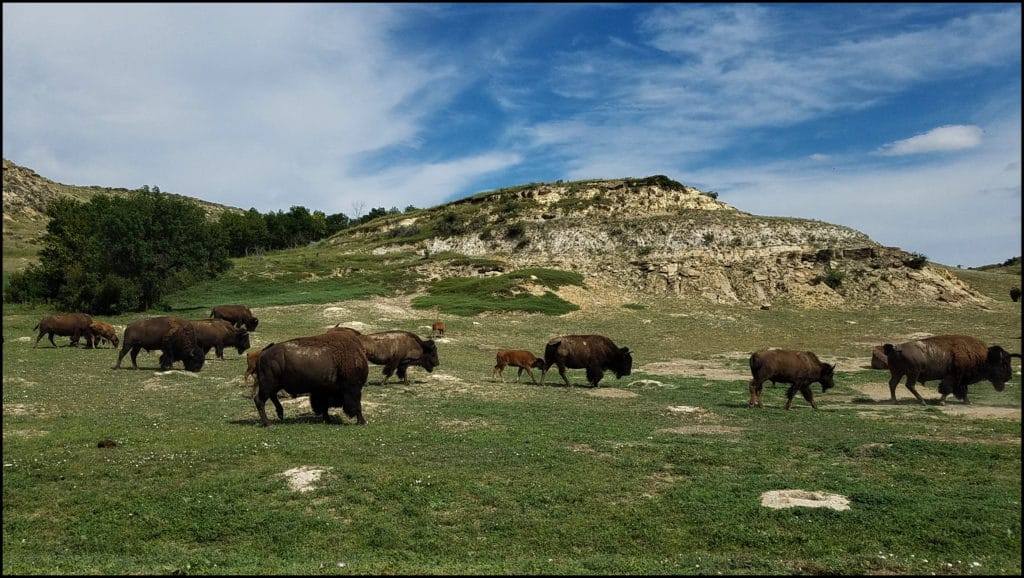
x=460, y=474
x=467, y=296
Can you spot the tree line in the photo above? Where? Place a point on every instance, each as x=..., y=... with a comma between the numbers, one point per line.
x=118, y=254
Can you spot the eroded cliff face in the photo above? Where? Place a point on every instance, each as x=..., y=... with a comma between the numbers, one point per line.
x=670, y=240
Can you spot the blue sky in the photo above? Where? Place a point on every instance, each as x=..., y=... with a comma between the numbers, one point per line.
x=902, y=121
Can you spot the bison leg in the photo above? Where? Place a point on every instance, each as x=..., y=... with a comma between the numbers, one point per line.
x=594, y=375
x=808, y=395
x=911, y=382
x=220, y=352
x=51, y=339
x=755, y=393
x=528, y=372
x=41, y=334
x=949, y=385
x=260, y=402
x=498, y=370
x=403, y=373
x=790, y=393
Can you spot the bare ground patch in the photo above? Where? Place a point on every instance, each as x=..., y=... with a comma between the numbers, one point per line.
x=715, y=369
x=702, y=429
x=778, y=499
x=23, y=409
x=879, y=393
x=610, y=392
x=302, y=478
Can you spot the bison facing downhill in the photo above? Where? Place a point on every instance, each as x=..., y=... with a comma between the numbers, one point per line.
x=331, y=368
x=399, y=350
x=217, y=334
x=238, y=315
x=73, y=325
x=800, y=369
x=520, y=358
x=174, y=336
x=595, y=353
x=956, y=360
x=102, y=330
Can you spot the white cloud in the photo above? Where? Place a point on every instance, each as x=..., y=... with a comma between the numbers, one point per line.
x=944, y=138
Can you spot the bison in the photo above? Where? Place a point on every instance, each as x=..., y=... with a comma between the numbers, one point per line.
x=398, y=350
x=520, y=358
x=238, y=315
x=331, y=368
x=174, y=336
x=250, y=362
x=217, y=334
x=800, y=369
x=595, y=353
x=956, y=360
x=102, y=330
x=73, y=325
x=1015, y=294
x=437, y=329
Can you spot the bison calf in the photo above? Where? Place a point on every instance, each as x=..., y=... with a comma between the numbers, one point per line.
x=595, y=353
x=520, y=358
x=800, y=369
x=102, y=330
x=956, y=360
x=437, y=329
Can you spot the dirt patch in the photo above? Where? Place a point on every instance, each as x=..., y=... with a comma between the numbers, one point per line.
x=708, y=369
x=26, y=433
x=23, y=409
x=302, y=478
x=879, y=393
x=982, y=411
x=702, y=429
x=610, y=392
x=778, y=499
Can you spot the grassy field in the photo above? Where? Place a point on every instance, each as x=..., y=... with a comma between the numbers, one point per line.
x=660, y=472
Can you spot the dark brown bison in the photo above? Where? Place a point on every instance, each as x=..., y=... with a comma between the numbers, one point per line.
x=399, y=350
x=102, y=330
x=800, y=369
x=878, y=359
x=238, y=315
x=1015, y=294
x=595, y=353
x=437, y=329
x=331, y=368
x=73, y=325
x=173, y=336
x=520, y=358
x=956, y=360
x=217, y=334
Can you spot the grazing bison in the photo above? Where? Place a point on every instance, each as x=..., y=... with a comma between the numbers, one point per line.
x=331, y=368
x=956, y=360
x=399, y=350
x=520, y=358
x=437, y=329
x=102, y=330
x=73, y=325
x=595, y=353
x=1015, y=294
x=217, y=334
x=174, y=336
x=878, y=359
x=238, y=315
x=800, y=369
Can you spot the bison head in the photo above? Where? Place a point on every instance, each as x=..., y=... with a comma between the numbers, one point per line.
x=180, y=345
x=623, y=364
x=429, y=360
x=251, y=324
x=242, y=340
x=827, y=372
x=999, y=369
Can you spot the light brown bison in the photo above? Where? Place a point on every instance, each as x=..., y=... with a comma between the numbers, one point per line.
x=217, y=334
x=238, y=315
x=520, y=358
x=595, y=353
x=956, y=360
x=173, y=336
x=102, y=330
x=437, y=329
x=250, y=362
x=800, y=369
x=331, y=368
x=73, y=325
x=399, y=350
x=878, y=358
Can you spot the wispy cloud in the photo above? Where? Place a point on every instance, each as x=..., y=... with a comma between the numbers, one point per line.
x=944, y=138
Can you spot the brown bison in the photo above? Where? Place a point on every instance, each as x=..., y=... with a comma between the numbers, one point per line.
x=399, y=350
x=595, y=353
x=800, y=369
x=956, y=360
x=173, y=336
x=217, y=334
x=238, y=315
x=250, y=363
x=1015, y=294
x=102, y=330
x=331, y=368
x=520, y=358
x=73, y=325
x=878, y=359
x=437, y=329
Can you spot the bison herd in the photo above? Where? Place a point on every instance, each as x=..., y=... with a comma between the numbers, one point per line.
x=332, y=367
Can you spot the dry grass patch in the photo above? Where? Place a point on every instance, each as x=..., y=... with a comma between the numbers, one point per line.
x=702, y=429
x=778, y=499
x=610, y=392
x=302, y=478
x=32, y=409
